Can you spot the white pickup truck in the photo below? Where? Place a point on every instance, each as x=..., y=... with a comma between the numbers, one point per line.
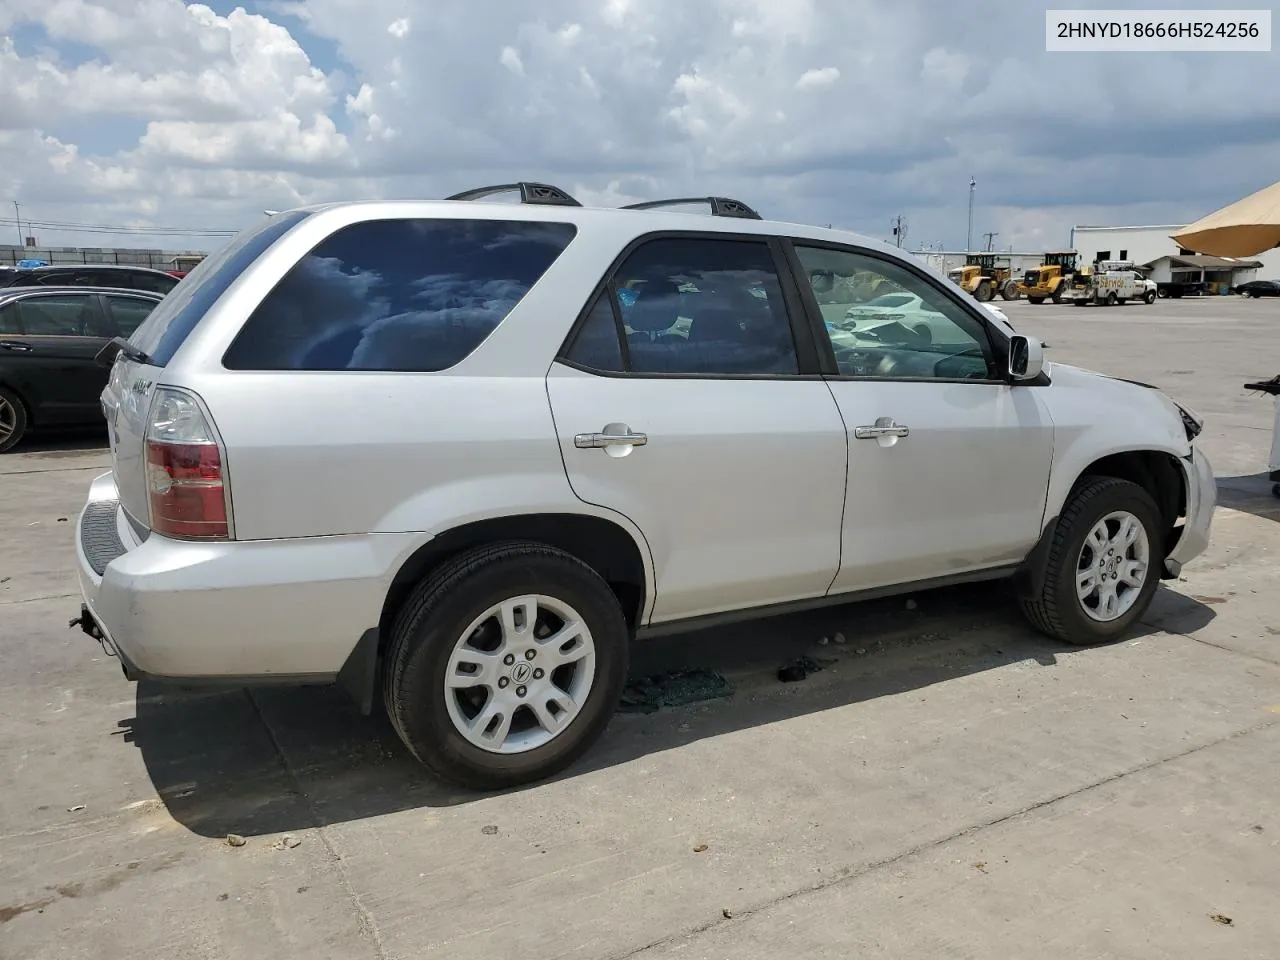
x=1109, y=282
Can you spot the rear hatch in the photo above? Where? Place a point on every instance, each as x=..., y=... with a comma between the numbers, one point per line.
x=126, y=401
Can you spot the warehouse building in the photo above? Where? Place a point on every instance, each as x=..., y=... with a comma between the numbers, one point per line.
x=1154, y=247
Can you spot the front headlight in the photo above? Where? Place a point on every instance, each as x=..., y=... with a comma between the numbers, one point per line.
x=1192, y=422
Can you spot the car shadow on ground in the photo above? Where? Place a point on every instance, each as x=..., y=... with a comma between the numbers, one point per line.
x=271, y=760
x=1250, y=494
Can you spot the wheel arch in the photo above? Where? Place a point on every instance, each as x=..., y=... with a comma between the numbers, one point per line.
x=1156, y=471
x=603, y=544
x=619, y=555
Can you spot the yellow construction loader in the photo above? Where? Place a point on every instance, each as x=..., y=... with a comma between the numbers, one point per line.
x=984, y=275
x=1052, y=279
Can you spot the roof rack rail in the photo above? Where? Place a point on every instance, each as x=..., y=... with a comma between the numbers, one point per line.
x=529, y=193
x=720, y=206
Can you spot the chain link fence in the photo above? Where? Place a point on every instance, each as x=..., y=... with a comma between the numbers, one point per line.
x=11, y=255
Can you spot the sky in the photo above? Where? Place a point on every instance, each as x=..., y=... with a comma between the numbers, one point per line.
x=181, y=122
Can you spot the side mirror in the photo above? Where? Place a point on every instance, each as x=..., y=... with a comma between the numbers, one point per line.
x=1026, y=358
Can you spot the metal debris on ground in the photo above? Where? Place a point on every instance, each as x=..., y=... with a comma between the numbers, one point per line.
x=800, y=668
x=673, y=689
x=235, y=840
x=79, y=807
x=1219, y=918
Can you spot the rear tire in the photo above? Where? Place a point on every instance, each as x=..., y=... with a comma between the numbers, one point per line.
x=13, y=419
x=1060, y=611
x=1009, y=291
x=1035, y=299
x=985, y=291
x=450, y=629
x=1112, y=299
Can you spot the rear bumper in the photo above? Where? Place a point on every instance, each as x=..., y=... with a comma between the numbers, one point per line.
x=1202, y=497
x=266, y=610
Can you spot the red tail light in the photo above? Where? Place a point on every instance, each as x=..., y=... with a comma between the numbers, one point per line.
x=186, y=482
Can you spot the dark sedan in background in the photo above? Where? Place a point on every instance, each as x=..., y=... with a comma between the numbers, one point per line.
x=90, y=275
x=1259, y=288
x=49, y=339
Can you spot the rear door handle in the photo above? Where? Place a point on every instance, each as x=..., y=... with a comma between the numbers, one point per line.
x=884, y=427
x=15, y=346
x=599, y=441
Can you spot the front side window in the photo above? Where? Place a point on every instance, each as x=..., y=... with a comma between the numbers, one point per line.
x=57, y=316
x=406, y=295
x=886, y=321
x=700, y=305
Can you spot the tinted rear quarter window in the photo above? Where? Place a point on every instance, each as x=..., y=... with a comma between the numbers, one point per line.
x=413, y=295
x=164, y=331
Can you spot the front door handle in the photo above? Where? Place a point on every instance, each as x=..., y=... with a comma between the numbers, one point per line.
x=15, y=346
x=599, y=441
x=884, y=427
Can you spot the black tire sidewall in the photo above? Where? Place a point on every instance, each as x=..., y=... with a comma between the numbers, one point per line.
x=422, y=716
x=20, y=420
x=1122, y=496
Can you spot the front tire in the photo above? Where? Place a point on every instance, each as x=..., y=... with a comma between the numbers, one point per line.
x=1035, y=299
x=984, y=292
x=13, y=419
x=1149, y=298
x=1103, y=566
x=1010, y=290
x=505, y=665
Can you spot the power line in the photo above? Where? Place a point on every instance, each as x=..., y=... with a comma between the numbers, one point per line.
x=118, y=229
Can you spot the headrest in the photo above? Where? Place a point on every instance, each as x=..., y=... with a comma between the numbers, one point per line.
x=656, y=308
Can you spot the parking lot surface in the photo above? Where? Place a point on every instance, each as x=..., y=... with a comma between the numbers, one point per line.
x=951, y=784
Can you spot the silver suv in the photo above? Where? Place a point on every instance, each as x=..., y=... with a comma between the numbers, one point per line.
x=457, y=455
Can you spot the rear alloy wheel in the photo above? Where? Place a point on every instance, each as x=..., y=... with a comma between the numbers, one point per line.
x=13, y=419
x=1103, y=565
x=505, y=665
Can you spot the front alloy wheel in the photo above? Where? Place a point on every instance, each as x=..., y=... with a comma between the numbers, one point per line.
x=1102, y=566
x=1113, y=566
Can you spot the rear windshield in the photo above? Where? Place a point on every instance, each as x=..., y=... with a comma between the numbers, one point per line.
x=412, y=295
x=163, y=332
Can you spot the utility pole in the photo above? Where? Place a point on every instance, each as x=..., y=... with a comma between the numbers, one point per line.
x=990, y=237
x=899, y=229
x=968, y=243
x=17, y=216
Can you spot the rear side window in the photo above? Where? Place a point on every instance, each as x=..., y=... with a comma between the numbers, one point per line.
x=127, y=313
x=405, y=295
x=164, y=331
x=154, y=282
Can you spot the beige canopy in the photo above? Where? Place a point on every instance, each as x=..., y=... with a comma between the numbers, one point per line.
x=1246, y=228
